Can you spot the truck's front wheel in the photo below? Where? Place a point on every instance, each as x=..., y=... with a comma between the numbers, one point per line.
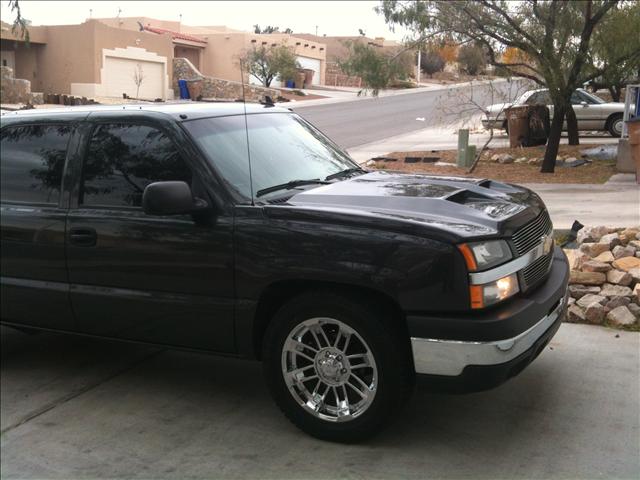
x=337, y=368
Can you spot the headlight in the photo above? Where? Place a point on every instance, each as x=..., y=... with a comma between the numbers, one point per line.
x=493, y=292
x=483, y=255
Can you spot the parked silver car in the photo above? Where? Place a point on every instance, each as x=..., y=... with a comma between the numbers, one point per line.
x=592, y=112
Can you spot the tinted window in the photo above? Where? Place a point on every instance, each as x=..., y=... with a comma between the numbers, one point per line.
x=32, y=163
x=123, y=159
x=540, y=98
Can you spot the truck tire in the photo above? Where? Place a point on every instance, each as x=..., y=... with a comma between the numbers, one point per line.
x=337, y=368
x=614, y=125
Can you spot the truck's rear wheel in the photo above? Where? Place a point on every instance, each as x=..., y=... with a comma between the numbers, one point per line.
x=336, y=368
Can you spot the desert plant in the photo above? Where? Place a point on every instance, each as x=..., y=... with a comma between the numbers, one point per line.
x=431, y=62
x=471, y=59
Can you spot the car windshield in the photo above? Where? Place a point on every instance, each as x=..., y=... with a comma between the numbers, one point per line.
x=284, y=148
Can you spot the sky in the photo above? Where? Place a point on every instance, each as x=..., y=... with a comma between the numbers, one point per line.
x=331, y=17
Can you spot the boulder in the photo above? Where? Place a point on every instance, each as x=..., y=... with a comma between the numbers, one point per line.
x=578, y=291
x=494, y=157
x=635, y=244
x=610, y=239
x=576, y=258
x=521, y=160
x=590, y=299
x=594, y=249
x=636, y=293
x=621, y=316
x=593, y=266
x=635, y=309
x=575, y=314
x=626, y=263
x=635, y=274
x=592, y=234
x=609, y=290
x=571, y=301
x=534, y=161
x=616, y=302
x=587, y=278
x=594, y=314
x=619, y=277
x=629, y=234
x=605, y=257
x=621, y=252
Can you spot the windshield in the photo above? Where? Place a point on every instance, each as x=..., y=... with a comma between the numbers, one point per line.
x=283, y=147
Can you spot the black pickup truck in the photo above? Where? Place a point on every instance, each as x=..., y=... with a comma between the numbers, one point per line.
x=244, y=231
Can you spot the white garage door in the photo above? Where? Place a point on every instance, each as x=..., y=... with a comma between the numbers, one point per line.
x=120, y=73
x=313, y=64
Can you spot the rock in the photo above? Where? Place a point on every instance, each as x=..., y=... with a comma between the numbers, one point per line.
x=618, y=277
x=636, y=293
x=635, y=244
x=494, y=157
x=626, y=263
x=637, y=255
x=534, y=161
x=575, y=314
x=592, y=234
x=609, y=290
x=605, y=257
x=576, y=258
x=616, y=302
x=590, y=299
x=594, y=249
x=505, y=158
x=578, y=291
x=621, y=252
x=629, y=234
x=593, y=266
x=621, y=316
x=571, y=301
x=587, y=278
x=610, y=239
x=559, y=161
x=521, y=160
x=635, y=274
x=594, y=314
x=635, y=309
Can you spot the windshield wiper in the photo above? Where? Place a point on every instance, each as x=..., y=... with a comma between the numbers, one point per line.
x=344, y=173
x=290, y=185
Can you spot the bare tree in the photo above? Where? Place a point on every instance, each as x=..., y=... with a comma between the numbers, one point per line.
x=463, y=107
x=138, y=78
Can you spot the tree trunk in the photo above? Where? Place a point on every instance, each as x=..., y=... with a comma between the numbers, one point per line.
x=615, y=91
x=572, y=126
x=551, y=152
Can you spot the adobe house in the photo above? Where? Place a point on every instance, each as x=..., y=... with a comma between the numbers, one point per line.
x=90, y=59
x=215, y=50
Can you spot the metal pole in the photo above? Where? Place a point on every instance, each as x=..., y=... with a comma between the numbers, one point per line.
x=419, y=64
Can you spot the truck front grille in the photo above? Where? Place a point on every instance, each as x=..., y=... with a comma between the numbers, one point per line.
x=529, y=235
x=535, y=271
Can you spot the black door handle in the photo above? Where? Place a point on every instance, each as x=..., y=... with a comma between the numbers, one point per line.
x=84, y=237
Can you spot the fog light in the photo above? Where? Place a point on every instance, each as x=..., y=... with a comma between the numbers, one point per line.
x=494, y=292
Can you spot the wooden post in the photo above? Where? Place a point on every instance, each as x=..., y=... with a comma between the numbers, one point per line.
x=463, y=145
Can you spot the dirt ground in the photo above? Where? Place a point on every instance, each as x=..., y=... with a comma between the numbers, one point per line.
x=599, y=171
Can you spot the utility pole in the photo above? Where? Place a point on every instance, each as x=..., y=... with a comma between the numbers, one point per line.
x=419, y=66
x=316, y=30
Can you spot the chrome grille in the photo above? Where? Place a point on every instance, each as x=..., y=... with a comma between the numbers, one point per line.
x=535, y=271
x=529, y=235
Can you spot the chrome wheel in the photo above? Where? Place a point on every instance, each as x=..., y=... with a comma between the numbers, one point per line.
x=329, y=369
x=616, y=127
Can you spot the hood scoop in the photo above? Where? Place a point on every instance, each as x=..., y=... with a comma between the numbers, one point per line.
x=491, y=206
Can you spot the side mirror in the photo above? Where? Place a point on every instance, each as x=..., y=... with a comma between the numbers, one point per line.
x=584, y=104
x=170, y=198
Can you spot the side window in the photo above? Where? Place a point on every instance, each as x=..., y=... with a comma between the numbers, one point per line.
x=123, y=159
x=32, y=163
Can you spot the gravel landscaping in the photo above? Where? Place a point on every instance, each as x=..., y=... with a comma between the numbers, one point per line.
x=605, y=277
x=517, y=165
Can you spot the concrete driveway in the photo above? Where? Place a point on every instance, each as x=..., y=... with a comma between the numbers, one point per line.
x=81, y=408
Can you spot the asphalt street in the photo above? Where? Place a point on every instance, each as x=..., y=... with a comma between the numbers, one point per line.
x=367, y=120
x=80, y=408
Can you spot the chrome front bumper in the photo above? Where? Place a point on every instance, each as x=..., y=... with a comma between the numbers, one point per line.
x=450, y=357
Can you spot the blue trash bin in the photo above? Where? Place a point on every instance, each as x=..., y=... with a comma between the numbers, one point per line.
x=290, y=84
x=184, y=91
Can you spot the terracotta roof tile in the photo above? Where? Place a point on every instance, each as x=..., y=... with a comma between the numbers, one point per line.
x=175, y=35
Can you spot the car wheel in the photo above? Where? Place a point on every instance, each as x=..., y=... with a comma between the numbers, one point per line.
x=615, y=125
x=337, y=368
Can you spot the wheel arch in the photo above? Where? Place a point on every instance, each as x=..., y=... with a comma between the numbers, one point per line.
x=610, y=118
x=278, y=293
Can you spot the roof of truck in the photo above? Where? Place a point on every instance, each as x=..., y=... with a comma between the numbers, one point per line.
x=190, y=110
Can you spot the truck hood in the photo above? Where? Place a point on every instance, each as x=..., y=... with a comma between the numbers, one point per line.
x=458, y=207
